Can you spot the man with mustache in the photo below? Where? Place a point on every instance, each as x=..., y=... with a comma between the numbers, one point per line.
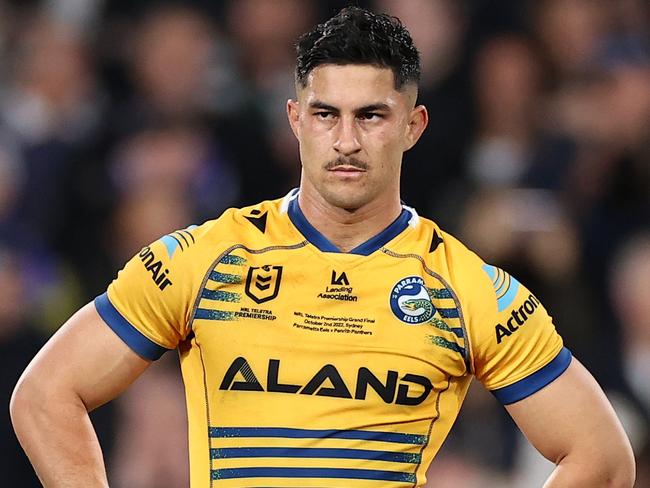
x=289, y=384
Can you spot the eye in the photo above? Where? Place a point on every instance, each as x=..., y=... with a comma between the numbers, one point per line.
x=369, y=116
x=325, y=115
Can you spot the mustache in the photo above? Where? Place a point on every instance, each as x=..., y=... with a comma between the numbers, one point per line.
x=342, y=161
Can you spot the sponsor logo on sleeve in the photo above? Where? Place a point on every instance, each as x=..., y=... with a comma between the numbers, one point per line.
x=518, y=317
x=180, y=239
x=153, y=265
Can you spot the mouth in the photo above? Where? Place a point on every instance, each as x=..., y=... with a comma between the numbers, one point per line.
x=346, y=169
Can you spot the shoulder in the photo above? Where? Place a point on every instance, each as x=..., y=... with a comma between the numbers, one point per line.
x=449, y=256
x=259, y=225
x=244, y=225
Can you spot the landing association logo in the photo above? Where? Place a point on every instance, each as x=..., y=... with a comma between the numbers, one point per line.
x=410, y=301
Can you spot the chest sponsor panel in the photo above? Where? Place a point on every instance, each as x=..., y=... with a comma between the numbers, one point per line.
x=272, y=300
x=318, y=296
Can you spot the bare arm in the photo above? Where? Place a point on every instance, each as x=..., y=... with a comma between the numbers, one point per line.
x=83, y=366
x=572, y=424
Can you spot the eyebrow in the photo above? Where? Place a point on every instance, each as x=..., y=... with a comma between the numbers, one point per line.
x=374, y=107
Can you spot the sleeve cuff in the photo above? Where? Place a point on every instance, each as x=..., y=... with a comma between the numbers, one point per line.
x=136, y=340
x=536, y=381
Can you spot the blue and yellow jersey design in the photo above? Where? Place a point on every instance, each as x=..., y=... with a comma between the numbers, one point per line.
x=304, y=366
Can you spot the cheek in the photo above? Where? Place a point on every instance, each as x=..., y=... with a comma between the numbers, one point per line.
x=314, y=135
x=314, y=145
x=385, y=146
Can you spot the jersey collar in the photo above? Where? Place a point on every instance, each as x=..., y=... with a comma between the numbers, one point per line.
x=407, y=217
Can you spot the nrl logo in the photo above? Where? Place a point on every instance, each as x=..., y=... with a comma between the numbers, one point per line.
x=263, y=283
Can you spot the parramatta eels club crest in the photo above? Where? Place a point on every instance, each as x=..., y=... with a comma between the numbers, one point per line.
x=263, y=283
x=410, y=301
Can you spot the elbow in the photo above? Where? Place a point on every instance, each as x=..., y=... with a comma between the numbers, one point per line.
x=29, y=406
x=21, y=405
x=622, y=479
x=624, y=474
x=613, y=467
x=619, y=470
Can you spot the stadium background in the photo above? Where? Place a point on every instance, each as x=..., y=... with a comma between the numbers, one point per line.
x=123, y=120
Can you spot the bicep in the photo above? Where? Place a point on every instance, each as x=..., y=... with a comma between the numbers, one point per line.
x=571, y=415
x=87, y=359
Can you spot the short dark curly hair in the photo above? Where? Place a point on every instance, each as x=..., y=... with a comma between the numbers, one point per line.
x=358, y=36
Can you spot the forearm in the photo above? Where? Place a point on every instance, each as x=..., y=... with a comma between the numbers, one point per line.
x=59, y=439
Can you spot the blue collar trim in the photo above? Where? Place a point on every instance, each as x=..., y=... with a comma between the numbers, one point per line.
x=365, y=249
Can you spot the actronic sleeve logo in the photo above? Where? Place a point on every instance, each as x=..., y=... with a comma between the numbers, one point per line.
x=263, y=283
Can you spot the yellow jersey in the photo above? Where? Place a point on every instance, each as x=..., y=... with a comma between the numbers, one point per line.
x=305, y=366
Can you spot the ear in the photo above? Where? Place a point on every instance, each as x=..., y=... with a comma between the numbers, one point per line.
x=418, y=120
x=293, y=114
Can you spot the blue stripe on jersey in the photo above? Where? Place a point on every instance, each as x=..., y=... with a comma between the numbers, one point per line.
x=232, y=259
x=221, y=296
x=298, y=219
x=448, y=313
x=385, y=236
x=225, y=278
x=368, y=435
x=440, y=293
x=296, y=452
x=536, y=381
x=442, y=342
x=207, y=314
x=345, y=473
x=133, y=338
x=306, y=229
x=459, y=332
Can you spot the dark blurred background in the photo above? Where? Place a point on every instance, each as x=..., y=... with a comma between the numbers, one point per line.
x=122, y=120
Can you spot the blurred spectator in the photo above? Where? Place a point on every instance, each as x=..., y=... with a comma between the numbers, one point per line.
x=52, y=94
x=151, y=436
x=19, y=342
x=264, y=33
x=177, y=159
x=629, y=285
x=508, y=88
x=11, y=185
x=172, y=64
x=571, y=30
x=52, y=107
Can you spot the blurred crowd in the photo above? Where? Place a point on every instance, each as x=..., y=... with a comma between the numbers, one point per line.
x=123, y=120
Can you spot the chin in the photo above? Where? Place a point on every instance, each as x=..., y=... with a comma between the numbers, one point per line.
x=350, y=199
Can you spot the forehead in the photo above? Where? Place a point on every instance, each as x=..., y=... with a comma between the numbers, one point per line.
x=355, y=85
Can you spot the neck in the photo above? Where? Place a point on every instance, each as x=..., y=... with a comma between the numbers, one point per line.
x=347, y=229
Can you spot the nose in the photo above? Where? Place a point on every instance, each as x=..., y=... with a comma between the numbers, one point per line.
x=347, y=139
